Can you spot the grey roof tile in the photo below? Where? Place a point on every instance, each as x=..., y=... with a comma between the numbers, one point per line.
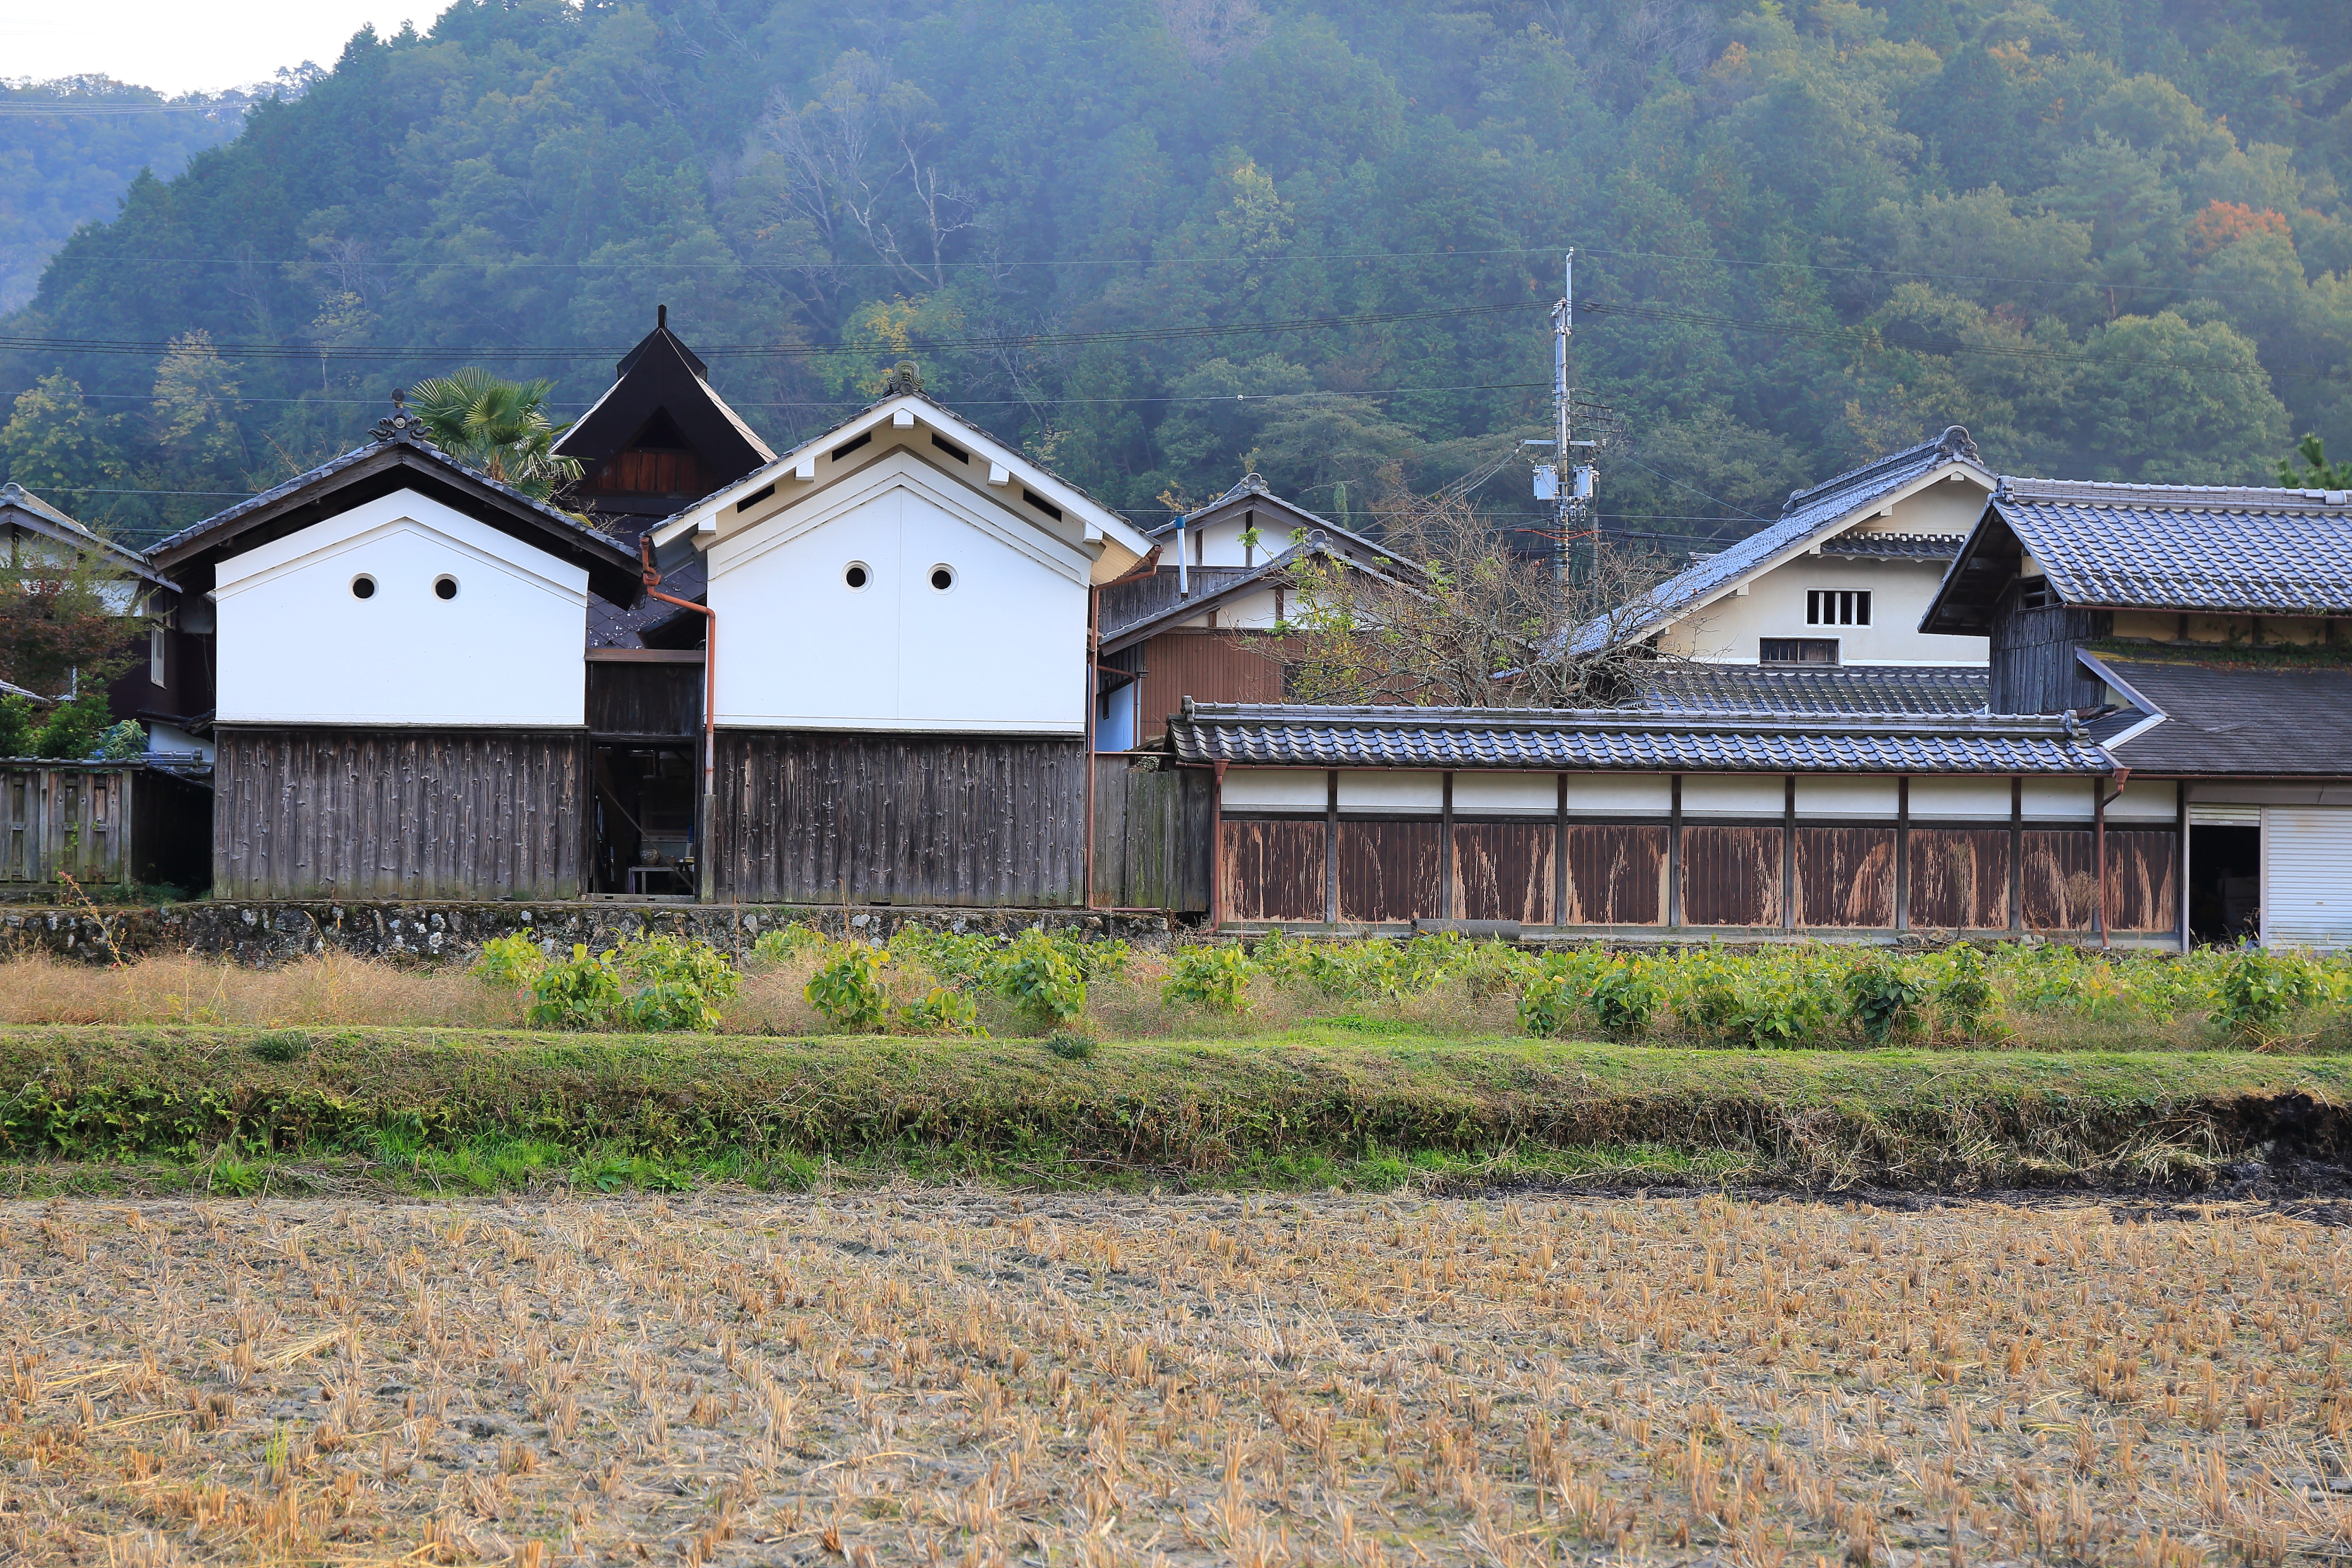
x=1289, y=736
x=2231, y=718
x=1841, y=689
x=2222, y=549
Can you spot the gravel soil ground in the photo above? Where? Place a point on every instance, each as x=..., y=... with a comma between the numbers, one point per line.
x=978, y=1376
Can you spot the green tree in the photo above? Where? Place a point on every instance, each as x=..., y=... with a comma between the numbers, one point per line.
x=55, y=444
x=2316, y=473
x=195, y=408
x=499, y=426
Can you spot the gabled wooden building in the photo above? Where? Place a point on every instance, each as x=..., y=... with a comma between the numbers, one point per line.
x=401, y=713
x=2204, y=634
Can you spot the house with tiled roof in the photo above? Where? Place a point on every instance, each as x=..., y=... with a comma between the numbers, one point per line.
x=2204, y=634
x=1838, y=578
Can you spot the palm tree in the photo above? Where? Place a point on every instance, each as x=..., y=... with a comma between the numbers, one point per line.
x=499, y=426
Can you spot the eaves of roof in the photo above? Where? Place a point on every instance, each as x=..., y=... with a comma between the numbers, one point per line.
x=1265, y=575
x=31, y=512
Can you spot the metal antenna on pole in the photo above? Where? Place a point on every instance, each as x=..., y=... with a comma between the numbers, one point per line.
x=1563, y=322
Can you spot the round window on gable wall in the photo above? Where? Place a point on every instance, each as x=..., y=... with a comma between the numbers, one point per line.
x=943, y=578
x=363, y=587
x=445, y=587
x=856, y=574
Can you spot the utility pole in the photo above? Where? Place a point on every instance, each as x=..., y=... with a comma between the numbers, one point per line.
x=1568, y=485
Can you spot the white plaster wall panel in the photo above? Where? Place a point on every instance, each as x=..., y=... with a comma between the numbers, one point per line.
x=1620, y=794
x=1277, y=789
x=1865, y=799
x=1000, y=652
x=1952, y=799
x=1378, y=789
x=1733, y=795
x=1251, y=612
x=2146, y=800
x=2060, y=799
x=1730, y=629
x=1500, y=794
x=295, y=646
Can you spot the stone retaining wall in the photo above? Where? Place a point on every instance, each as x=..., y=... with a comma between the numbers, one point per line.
x=262, y=933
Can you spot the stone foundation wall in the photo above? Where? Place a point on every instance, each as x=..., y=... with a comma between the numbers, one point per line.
x=430, y=932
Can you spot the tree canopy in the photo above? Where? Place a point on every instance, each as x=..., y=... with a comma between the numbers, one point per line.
x=1159, y=242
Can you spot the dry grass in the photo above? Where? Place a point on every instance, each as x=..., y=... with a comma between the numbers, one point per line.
x=977, y=1378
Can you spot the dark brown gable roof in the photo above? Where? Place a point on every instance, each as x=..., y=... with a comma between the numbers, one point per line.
x=379, y=468
x=661, y=387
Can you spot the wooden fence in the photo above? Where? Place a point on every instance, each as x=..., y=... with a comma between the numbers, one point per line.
x=1151, y=835
x=100, y=823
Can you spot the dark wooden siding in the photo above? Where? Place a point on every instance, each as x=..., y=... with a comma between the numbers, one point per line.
x=2143, y=886
x=1151, y=838
x=1616, y=875
x=2061, y=889
x=445, y=813
x=2034, y=669
x=1845, y=877
x=642, y=698
x=1274, y=869
x=652, y=470
x=187, y=686
x=1959, y=878
x=807, y=817
x=75, y=817
x=1208, y=667
x=1731, y=876
x=1503, y=870
x=1389, y=870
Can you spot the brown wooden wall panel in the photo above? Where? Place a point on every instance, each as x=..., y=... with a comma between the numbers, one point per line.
x=1731, y=876
x=811, y=817
x=74, y=817
x=636, y=698
x=2143, y=880
x=1616, y=875
x=1389, y=870
x=376, y=814
x=1959, y=878
x=1208, y=667
x=2061, y=889
x=1152, y=837
x=1274, y=869
x=1845, y=877
x=1503, y=872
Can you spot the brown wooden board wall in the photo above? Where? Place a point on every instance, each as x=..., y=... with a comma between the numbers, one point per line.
x=1616, y=874
x=383, y=814
x=1390, y=871
x=2142, y=885
x=972, y=820
x=1208, y=667
x=1731, y=875
x=65, y=817
x=1503, y=872
x=1959, y=878
x=1273, y=868
x=1152, y=837
x=1845, y=877
x=644, y=698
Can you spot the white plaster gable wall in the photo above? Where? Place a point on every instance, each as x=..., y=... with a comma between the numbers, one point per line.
x=1001, y=652
x=296, y=648
x=1728, y=630
x=1251, y=612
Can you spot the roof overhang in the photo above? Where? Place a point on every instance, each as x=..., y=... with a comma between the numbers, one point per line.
x=1112, y=544
x=1988, y=559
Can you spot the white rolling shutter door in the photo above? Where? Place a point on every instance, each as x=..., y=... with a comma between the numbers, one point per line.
x=2307, y=876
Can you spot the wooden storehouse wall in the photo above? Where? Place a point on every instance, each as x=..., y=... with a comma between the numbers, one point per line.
x=318, y=813
x=2034, y=669
x=69, y=817
x=655, y=693
x=816, y=817
x=1152, y=837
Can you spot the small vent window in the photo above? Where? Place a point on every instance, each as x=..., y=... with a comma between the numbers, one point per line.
x=943, y=577
x=2034, y=594
x=856, y=575
x=363, y=587
x=755, y=497
x=1042, y=504
x=950, y=448
x=155, y=657
x=445, y=587
x=1837, y=606
x=1797, y=650
x=848, y=446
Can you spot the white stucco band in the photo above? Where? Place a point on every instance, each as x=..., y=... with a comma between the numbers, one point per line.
x=295, y=645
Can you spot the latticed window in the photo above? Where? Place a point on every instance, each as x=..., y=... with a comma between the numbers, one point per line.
x=1797, y=650
x=1837, y=606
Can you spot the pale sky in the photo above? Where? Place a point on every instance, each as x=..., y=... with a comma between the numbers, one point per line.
x=177, y=46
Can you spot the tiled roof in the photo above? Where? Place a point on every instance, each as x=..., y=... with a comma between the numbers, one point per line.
x=2226, y=719
x=1808, y=514
x=1843, y=689
x=1288, y=736
x=1896, y=546
x=2232, y=551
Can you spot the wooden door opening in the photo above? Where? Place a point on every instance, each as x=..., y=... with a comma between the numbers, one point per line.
x=645, y=838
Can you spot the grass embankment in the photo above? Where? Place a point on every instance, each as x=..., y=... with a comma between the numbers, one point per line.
x=231, y=1109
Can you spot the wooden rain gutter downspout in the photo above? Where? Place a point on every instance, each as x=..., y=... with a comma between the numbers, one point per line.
x=710, y=711
x=1151, y=562
x=2099, y=834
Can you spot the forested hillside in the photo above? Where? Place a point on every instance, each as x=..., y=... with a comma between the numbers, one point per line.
x=1158, y=241
x=69, y=149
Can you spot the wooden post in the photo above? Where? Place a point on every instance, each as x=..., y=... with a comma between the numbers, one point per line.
x=1217, y=847
x=2180, y=826
x=1675, y=852
x=1093, y=684
x=1560, y=858
x=1331, y=846
x=2017, y=854
x=1448, y=906
x=1789, y=854
x=1903, y=854
x=2099, y=853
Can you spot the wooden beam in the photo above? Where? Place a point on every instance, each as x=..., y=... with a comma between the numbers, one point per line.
x=1560, y=858
x=1447, y=905
x=1675, y=852
x=1331, y=846
x=2017, y=854
x=1217, y=847
x=1789, y=853
x=1903, y=853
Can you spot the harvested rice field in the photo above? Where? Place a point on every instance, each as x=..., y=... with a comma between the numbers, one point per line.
x=968, y=1376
